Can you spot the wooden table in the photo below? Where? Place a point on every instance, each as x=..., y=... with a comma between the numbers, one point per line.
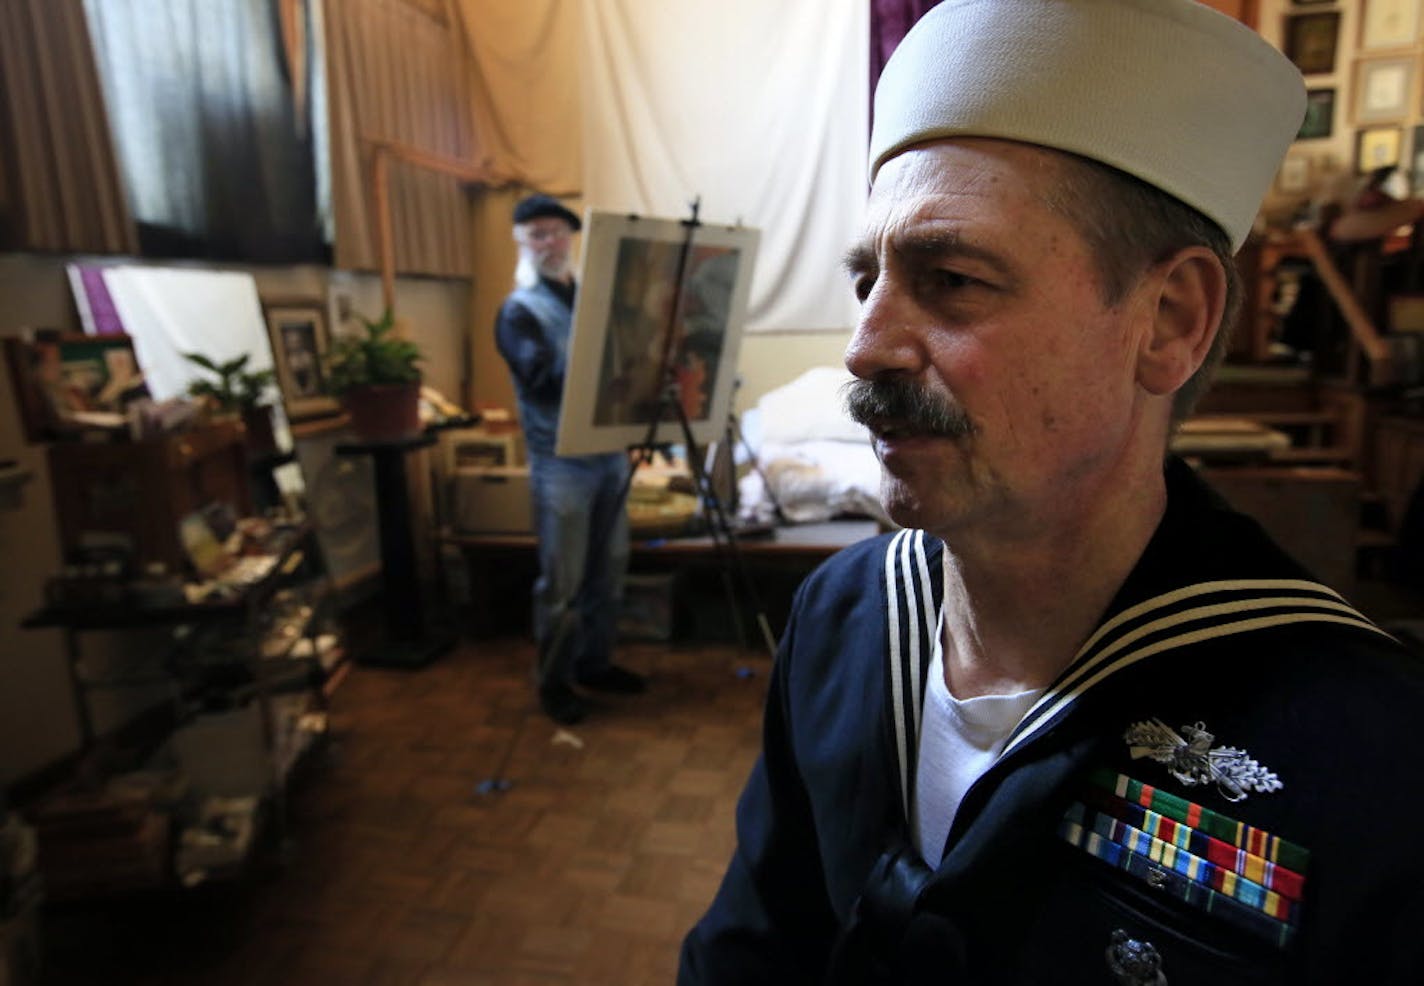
x=788, y=551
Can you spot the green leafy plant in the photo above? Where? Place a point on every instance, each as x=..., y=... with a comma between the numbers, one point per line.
x=236, y=388
x=373, y=357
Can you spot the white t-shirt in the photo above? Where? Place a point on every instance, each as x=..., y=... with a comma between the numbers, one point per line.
x=959, y=741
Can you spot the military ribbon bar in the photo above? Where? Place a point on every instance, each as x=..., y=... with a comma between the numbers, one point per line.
x=1279, y=879
x=1132, y=853
x=1253, y=841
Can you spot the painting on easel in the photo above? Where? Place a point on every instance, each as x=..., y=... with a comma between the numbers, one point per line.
x=644, y=338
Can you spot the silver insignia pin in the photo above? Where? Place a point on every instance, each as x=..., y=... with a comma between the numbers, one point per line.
x=1133, y=962
x=1193, y=761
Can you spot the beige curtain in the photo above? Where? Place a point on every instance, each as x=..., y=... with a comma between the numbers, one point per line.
x=522, y=75
x=524, y=90
x=62, y=183
x=396, y=73
x=773, y=136
x=493, y=280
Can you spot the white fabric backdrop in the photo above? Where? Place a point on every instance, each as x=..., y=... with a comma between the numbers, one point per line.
x=170, y=311
x=758, y=107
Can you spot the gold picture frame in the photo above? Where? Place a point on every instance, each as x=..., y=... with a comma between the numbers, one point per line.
x=298, y=331
x=1311, y=39
x=1384, y=90
x=1377, y=147
x=1389, y=24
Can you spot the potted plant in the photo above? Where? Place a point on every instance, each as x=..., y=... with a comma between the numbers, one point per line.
x=375, y=374
x=239, y=392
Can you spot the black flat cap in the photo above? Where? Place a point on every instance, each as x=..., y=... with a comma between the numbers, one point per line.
x=541, y=206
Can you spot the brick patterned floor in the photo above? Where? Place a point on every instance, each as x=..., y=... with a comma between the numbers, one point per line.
x=588, y=869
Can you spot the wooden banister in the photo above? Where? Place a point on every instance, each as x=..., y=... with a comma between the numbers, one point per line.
x=1362, y=328
x=386, y=151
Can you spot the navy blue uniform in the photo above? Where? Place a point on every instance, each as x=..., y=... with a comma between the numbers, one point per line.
x=1051, y=873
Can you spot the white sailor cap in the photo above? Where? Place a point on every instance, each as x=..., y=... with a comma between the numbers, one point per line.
x=1170, y=91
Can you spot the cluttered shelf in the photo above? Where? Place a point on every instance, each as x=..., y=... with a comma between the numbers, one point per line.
x=250, y=665
x=99, y=600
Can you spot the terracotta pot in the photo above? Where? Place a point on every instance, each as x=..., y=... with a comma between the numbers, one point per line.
x=384, y=412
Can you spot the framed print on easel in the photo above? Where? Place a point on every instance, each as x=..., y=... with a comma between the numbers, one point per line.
x=637, y=328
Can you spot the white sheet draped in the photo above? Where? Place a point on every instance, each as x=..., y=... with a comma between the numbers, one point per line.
x=758, y=108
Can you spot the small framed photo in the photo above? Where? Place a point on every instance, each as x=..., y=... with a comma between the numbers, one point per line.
x=66, y=383
x=1416, y=173
x=1319, y=115
x=299, y=335
x=1384, y=89
x=1294, y=176
x=1389, y=24
x=1375, y=148
x=1310, y=41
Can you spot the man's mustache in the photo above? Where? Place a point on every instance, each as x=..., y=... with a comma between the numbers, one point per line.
x=903, y=405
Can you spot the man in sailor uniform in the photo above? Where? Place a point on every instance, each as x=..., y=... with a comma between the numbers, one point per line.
x=1077, y=722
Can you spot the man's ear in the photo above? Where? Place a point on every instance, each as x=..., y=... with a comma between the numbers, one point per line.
x=1190, y=299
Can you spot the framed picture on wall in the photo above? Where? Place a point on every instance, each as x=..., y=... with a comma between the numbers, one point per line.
x=1294, y=176
x=1377, y=147
x=1310, y=41
x=1389, y=23
x=65, y=383
x=297, y=328
x=1384, y=89
x=1416, y=172
x=1319, y=115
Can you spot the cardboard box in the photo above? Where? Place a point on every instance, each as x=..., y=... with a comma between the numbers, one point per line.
x=476, y=448
x=649, y=610
x=223, y=753
x=492, y=501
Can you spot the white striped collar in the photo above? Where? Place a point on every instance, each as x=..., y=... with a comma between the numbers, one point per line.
x=1182, y=617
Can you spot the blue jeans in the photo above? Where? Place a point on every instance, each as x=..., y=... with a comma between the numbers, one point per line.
x=582, y=527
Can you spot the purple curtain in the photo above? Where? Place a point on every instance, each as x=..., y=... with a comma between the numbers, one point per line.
x=890, y=20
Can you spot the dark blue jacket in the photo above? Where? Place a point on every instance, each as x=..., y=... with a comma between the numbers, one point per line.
x=532, y=334
x=1050, y=873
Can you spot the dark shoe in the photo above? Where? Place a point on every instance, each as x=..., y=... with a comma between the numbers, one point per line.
x=561, y=704
x=619, y=681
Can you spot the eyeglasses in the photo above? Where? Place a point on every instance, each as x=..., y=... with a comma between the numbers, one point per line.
x=541, y=233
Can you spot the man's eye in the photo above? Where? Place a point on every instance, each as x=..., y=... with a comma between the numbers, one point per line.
x=862, y=285
x=949, y=279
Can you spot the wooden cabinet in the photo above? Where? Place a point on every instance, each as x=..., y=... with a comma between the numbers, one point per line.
x=142, y=490
x=1311, y=511
x=1397, y=464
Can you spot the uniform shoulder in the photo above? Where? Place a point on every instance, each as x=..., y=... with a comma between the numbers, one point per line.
x=863, y=563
